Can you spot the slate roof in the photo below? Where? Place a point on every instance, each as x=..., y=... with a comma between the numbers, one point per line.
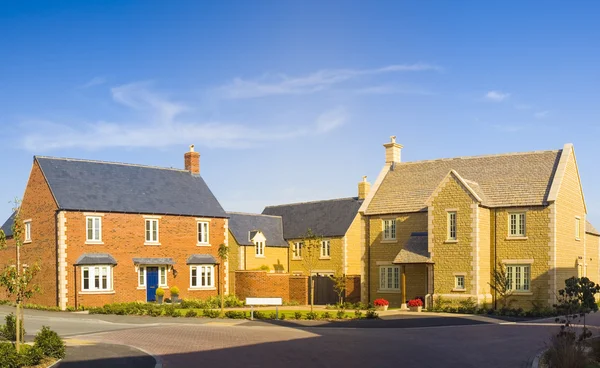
x=325, y=218
x=95, y=259
x=82, y=185
x=201, y=259
x=590, y=229
x=414, y=250
x=7, y=227
x=241, y=224
x=153, y=261
x=514, y=179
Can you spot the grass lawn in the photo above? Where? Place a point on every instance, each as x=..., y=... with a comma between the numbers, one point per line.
x=289, y=314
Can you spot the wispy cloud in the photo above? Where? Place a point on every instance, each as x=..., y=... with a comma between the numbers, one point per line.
x=96, y=81
x=391, y=89
x=168, y=127
x=281, y=84
x=496, y=96
x=541, y=114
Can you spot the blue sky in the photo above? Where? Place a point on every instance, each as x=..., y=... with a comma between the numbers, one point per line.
x=291, y=100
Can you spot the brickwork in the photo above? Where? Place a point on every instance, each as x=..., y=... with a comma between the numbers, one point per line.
x=261, y=284
x=38, y=205
x=192, y=162
x=485, y=255
x=354, y=252
x=593, y=246
x=299, y=289
x=352, y=293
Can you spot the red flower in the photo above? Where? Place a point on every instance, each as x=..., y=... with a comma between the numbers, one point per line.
x=415, y=303
x=380, y=302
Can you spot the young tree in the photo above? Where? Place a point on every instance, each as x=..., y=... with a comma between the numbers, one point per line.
x=339, y=284
x=223, y=255
x=575, y=301
x=501, y=285
x=18, y=282
x=311, y=251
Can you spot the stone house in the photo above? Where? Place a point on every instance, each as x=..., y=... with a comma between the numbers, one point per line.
x=109, y=232
x=440, y=228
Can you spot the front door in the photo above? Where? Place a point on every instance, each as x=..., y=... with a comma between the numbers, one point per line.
x=151, y=283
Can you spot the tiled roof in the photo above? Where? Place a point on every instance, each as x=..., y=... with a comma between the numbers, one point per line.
x=82, y=185
x=201, y=259
x=242, y=224
x=590, y=229
x=414, y=250
x=95, y=259
x=325, y=218
x=7, y=227
x=515, y=179
x=153, y=261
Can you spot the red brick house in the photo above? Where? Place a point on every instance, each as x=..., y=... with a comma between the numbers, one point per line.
x=110, y=232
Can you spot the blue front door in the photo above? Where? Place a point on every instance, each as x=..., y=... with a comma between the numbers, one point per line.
x=151, y=283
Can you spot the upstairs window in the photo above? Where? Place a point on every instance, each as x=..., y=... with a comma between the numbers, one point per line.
x=27, y=225
x=297, y=251
x=94, y=229
x=151, y=231
x=96, y=278
x=517, y=224
x=389, y=229
x=452, y=226
x=202, y=232
x=260, y=249
x=577, y=228
x=325, y=249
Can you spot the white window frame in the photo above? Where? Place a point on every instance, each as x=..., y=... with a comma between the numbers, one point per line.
x=95, y=228
x=99, y=272
x=148, y=233
x=457, y=283
x=519, y=277
x=326, y=249
x=203, y=232
x=389, y=229
x=452, y=226
x=260, y=249
x=389, y=278
x=162, y=274
x=520, y=224
x=199, y=279
x=577, y=228
x=297, y=250
x=27, y=231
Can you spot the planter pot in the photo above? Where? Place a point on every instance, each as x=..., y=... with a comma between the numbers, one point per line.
x=382, y=308
x=159, y=299
x=175, y=299
x=415, y=309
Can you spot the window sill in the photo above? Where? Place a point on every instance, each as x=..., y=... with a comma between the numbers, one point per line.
x=296, y=259
x=578, y=239
x=383, y=241
x=389, y=291
x=202, y=288
x=450, y=241
x=108, y=292
x=203, y=245
x=517, y=238
x=459, y=290
x=325, y=258
x=151, y=243
x=257, y=256
x=93, y=242
x=27, y=242
x=524, y=293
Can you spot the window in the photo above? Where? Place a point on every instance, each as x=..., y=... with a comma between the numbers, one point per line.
x=260, y=249
x=297, y=251
x=27, y=231
x=151, y=231
x=94, y=229
x=202, y=232
x=162, y=276
x=325, y=249
x=577, y=228
x=518, y=277
x=517, y=224
x=202, y=276
x=459, y=282
x=389, y=278
x=96, y=278
x=389, y=229
x=142, y=276
x=451, y=225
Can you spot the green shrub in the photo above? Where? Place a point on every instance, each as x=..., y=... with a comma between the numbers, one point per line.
x=264, y=268
x=565, y=351
x=291, y=303
x=211, y=313
x=326, y=315
x=30, y=355
x=312, y=315
x=8, y=356
x=174, y=291
x=358, y=314
x=171, y=311
x=156, y=311
x=160, y=292
x=259, y=315
x=191, y=313
x=231, y=301
x=297, y=315
x=282, y=316
x=273, y=315
x=371, y=314
x=341, y=314
x=9, y=330
x=50, y=343
x=235, y=314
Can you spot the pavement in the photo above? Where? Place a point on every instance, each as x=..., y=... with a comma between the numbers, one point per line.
x=424, y=340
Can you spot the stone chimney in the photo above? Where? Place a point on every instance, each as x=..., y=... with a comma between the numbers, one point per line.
x=192, y=161
x=363, y=188
x=392, y=151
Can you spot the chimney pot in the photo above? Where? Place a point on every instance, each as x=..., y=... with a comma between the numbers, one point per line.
x=192, y=161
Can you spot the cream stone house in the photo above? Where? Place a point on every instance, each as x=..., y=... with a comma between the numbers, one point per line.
x=440, y=228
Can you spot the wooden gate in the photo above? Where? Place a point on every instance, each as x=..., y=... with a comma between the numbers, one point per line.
x=324, y=290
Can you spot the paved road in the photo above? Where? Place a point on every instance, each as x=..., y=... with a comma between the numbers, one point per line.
x=424, y=341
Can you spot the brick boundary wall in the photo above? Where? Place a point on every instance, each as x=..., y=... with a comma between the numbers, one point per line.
x=353, y=288
x=299, y=289
x=261, y=284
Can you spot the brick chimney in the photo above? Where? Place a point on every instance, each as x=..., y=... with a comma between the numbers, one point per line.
x=363, y=188
x=392, y=151
x=192, y=161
